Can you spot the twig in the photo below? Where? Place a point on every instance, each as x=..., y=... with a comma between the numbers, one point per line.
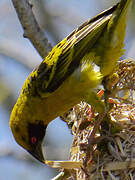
x=32, y=31
x=62, y=175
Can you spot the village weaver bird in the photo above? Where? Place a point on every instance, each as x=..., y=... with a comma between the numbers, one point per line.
x=68, y=75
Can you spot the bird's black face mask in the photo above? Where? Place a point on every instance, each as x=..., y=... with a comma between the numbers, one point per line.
x=36, y=135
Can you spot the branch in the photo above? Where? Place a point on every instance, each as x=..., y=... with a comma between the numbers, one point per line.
x=32, y=31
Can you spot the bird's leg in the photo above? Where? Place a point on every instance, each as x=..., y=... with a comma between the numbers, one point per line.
x=91, y=111
x=92, y=139
x=91, y=136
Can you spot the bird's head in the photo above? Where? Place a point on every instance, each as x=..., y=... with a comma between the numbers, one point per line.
x=28, y=135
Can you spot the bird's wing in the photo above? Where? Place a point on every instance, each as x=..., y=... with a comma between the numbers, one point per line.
x=66, y=56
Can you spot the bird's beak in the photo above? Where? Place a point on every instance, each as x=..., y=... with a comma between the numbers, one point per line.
x=38, y=153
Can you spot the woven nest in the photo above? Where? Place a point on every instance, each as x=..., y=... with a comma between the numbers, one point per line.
x=113, y=150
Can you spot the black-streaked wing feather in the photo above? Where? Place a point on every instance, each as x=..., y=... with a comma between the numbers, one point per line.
x=78, y=43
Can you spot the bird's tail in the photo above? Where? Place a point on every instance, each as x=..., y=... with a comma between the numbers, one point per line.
x=115, y=35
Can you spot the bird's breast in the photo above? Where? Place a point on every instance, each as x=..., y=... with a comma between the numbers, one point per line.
x=72, y=91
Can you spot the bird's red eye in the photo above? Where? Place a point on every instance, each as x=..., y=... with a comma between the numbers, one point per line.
x=33, y=140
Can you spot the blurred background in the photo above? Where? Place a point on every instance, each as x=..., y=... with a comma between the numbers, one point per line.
x=18, y=57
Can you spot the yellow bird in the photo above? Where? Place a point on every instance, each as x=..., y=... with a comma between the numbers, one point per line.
x=68, y=75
